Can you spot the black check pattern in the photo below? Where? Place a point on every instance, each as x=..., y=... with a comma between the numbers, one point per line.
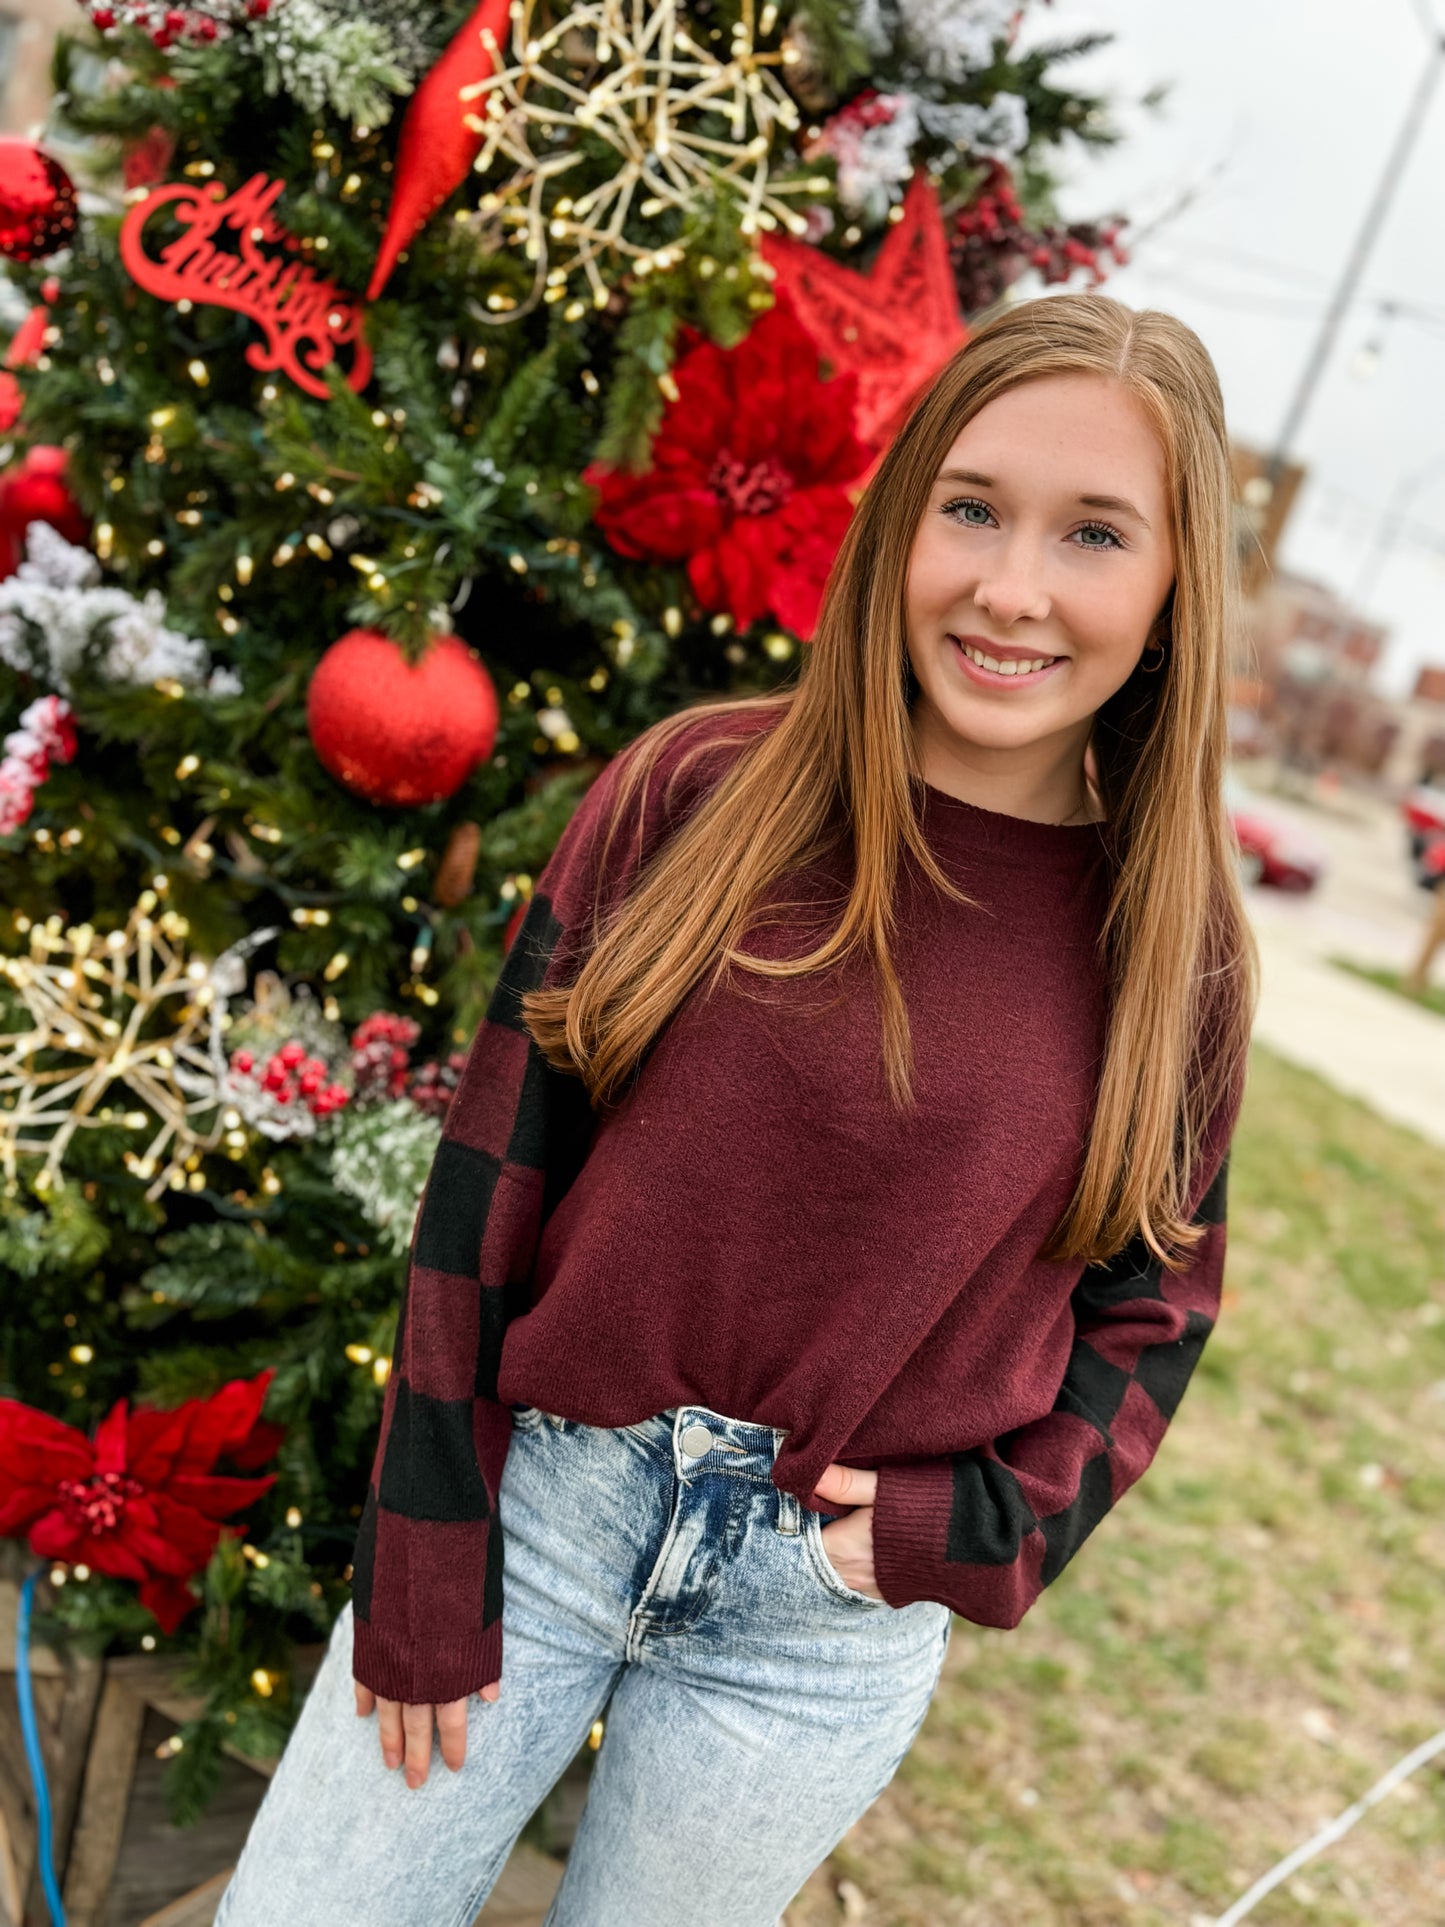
x=430, y=1511
x=992, y=1516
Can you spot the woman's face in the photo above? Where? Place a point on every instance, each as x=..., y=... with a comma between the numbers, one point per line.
x=1045, y=547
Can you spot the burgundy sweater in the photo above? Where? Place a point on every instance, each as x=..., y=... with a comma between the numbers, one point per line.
x=755, y=1229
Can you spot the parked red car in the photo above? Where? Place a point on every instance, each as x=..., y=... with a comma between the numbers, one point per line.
x=1424, y=813
x=1272, y=850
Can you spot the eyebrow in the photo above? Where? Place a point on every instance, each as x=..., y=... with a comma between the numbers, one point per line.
x=1115, y=502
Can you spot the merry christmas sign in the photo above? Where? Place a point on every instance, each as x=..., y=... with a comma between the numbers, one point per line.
x=232, y=253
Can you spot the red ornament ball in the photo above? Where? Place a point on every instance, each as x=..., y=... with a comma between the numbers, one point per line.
x=397, y=734
x=37, y=202
x=35, y=491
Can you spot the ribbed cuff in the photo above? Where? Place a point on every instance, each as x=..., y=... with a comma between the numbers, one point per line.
x=397, y=1671
x=910, y=1528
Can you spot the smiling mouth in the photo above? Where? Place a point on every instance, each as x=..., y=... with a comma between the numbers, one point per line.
x=1011, y=668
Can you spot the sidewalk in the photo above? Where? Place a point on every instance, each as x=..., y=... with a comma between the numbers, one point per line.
x=1364, y=1040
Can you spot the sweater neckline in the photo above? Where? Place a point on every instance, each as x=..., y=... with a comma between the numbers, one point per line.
x=967, y=829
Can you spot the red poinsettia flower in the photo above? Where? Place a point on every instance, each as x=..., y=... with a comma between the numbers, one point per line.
x=747, y=478
x=140, y=1500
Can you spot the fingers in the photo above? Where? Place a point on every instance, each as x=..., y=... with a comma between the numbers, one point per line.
x=416, y=1724
x=452, y=1733
x=847, y=1485
x=848, y=1544
x=389, y=1728
x=406, y=1731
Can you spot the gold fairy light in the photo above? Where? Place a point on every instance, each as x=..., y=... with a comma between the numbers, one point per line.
x=633, y=76
x=94, y=1002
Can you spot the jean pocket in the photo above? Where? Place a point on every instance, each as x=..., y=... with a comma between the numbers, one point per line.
x=828, y=1575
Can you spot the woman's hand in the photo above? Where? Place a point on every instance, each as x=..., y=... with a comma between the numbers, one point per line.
x=849, y=1541
x=406, y=1730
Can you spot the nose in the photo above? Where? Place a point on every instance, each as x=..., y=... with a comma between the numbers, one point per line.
x=1012, y=590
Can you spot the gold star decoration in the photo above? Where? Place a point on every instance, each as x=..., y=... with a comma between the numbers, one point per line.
x=124, y=1014
x=630, y=73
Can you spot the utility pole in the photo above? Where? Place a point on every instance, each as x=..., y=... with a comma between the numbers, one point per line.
x=1391, y=522
x=1354, y=266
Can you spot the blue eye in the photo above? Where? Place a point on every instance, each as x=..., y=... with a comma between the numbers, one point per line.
x=1099, y=528
x=966, y=502
x=962, y=511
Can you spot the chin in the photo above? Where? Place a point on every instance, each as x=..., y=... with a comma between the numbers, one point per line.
x=983, y=725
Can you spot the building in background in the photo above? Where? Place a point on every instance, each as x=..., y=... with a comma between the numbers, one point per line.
x=1263, y=509
x=27, y=35
x=1303, y=691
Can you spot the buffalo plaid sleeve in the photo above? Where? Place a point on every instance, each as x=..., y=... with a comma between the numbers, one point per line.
x=985, y=1530
x=427, y=1565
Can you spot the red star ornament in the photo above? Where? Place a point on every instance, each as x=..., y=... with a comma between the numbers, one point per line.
x=893, y=328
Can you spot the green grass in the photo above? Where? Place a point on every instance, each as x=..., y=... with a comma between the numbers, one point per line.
x=1252, y=1637
x=1432, y=997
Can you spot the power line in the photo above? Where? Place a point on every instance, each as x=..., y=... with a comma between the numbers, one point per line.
x=1284, y=307
x=1354, y=265
x=1265, y=264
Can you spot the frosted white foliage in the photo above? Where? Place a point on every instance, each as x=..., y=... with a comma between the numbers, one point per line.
x=874, y=160
x=381, y=1157
x=13, y=305
x=56, y=618
x=955, y=38
x=998, y=131
x=327, y=56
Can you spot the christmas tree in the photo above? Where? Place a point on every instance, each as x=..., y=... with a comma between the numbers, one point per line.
x=410, y=406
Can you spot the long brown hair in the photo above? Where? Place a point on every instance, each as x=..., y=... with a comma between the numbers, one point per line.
x=1180, y=958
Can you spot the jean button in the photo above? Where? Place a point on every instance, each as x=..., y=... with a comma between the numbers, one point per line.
x=696, y=1441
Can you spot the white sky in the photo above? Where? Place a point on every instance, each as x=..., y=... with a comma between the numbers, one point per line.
x=1276, y=131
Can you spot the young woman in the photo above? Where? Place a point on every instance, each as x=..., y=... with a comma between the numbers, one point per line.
x=831, y=1213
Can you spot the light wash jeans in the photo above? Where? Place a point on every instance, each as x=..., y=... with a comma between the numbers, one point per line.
x=755, y=1704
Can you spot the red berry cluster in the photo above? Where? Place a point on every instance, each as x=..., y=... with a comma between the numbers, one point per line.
x=991, y=245
x=381, y=1055
x=434, y=1084
x=168, y=25
x=290, y=1076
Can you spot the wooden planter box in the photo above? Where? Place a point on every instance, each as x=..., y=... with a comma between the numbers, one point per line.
x=118, y=1859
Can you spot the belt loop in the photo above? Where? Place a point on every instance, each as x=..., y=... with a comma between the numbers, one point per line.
x=789, y=1511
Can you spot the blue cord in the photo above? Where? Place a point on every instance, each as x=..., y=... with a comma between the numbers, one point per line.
x=32, y=1750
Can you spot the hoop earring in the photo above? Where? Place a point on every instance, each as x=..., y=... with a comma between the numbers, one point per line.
x=1153, y=668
